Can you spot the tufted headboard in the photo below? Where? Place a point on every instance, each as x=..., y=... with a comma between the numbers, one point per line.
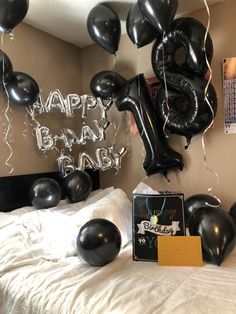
x=14, y=190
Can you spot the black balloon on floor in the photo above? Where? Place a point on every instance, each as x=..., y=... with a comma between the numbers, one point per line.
x=77, y=186
x=194, y=202
x=99, y=242
x=45, y=193
x=217, y=231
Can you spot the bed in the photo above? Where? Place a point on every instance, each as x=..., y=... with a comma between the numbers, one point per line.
x=41, y=271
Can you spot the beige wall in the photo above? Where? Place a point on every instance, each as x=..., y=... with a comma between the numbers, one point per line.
x=221, y=148
x=53, y=64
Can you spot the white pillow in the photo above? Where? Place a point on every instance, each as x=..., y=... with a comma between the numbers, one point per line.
x=6, y=219
x=115, y=207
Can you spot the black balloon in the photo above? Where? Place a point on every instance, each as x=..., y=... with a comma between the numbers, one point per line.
x=45, y=193
x=139, y=30
x=194, y=202
x=160, y=13
x=159, y=156
x=77, y=186
x=107, y=84
x=217, y=231
x=22, y=89
x=99, y=242
x=232, y=212
x=12, y=13
x=6, y=70
x=188, y=112
x=104, y=27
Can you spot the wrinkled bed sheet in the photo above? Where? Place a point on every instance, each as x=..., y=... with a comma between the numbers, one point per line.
x=37, y=278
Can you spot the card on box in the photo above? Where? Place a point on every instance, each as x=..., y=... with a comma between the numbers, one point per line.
x=180, y=251
x=155, y=215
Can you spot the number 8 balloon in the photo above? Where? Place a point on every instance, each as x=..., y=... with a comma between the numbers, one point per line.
x=186, y=111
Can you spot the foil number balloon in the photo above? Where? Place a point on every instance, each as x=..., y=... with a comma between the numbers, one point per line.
x=186, y=112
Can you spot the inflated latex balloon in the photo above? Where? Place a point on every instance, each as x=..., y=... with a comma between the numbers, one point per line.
x=99, y=242
x=217, y=231
x=12, y=13
x=190, y=109
x=6, y=70
x=107, y=84
x=22, y=89
x=160, y=13
x=232, y=212
x=45, y=193
x=139, y=30
x=194, y=202
x=159, y=156
x=104, y=27
x=77, y=186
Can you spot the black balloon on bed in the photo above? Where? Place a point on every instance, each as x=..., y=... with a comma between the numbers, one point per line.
x=45, y=193
x=77, y=186
x=99, y=242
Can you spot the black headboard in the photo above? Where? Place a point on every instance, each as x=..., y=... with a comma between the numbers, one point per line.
x=14, y=190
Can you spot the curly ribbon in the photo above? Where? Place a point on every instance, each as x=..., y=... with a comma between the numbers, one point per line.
x=207, y=101
x=166, y=89
x=6, y=113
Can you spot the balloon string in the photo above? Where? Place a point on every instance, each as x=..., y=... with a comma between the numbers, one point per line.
x=9, y=127
x=207, y=101
x=116, y=128
x=160, y=212
x=166, y=89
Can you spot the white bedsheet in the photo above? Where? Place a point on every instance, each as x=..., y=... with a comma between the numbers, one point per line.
x=31, y=284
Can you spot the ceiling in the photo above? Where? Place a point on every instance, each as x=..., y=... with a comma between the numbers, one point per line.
x=67, y=19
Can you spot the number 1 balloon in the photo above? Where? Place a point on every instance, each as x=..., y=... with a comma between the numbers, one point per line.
x=159, y=156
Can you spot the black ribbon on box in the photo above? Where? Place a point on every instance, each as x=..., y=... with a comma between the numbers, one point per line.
x=155, y=215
